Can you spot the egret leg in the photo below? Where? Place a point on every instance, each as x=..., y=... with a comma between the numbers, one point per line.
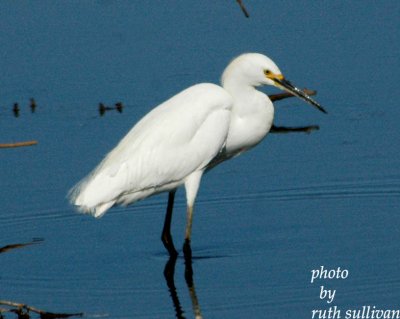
x=188, y=232
x=187, y=250
x=190, y=284
x=192, y=184
x=166, y=237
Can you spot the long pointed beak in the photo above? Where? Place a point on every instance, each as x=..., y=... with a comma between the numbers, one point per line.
x=284, y=84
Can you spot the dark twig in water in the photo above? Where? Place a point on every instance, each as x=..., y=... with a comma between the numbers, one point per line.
x=18, y=144
x=298, y=129
x=246, y=13
x=23, y=310
x=119, y=107
x=103, y=108
x=16, y=109
x=288, y=129
x=32, y=105
x=281, y=96
x=15, y=246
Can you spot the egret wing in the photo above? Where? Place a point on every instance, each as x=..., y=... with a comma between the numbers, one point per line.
x=176, y=138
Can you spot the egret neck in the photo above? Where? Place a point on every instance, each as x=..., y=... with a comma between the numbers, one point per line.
x=251, y=118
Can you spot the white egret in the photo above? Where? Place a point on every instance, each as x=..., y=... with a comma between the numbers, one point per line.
x=183, y=137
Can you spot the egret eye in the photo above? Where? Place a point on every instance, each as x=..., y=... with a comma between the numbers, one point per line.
x=267, y=72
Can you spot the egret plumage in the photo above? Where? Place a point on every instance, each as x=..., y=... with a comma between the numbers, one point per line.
x=176, y=142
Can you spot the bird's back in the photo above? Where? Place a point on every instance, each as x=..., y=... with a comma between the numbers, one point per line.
x=176, y=138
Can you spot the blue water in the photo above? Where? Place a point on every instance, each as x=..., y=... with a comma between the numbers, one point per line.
x=264, y=220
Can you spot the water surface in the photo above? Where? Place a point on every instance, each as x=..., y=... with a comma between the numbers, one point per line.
x=263, y=221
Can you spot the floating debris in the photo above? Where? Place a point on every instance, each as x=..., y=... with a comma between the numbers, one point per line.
x=287, y=129
x=244, y=10
x=290, y=129
x=103, y=108
x=16, y=109
x=119, y=107
x=32, y=104
x=16, y=246
x=18, y=144
x=23, y=311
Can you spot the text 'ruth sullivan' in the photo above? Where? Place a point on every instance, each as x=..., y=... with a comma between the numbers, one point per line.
x=334, y=312
x=365, y=312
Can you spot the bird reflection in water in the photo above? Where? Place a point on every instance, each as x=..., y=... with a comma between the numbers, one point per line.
x=169, y=274
x=169, y=269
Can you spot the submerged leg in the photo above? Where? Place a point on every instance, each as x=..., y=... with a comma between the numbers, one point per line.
x=169, y=274
x=166, y=237
x=190, y=284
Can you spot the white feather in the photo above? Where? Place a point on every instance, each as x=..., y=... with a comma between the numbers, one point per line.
x=175, y=139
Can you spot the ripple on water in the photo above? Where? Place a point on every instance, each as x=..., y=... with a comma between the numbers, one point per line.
x=332, y=190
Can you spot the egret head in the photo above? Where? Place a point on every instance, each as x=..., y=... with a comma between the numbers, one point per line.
x=256, y=69
x=249, y=68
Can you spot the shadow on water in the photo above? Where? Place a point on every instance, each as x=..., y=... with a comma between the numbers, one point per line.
x=169, y=274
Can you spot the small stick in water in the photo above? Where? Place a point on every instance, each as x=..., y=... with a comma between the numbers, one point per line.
x=18, y=144
x=246, y=13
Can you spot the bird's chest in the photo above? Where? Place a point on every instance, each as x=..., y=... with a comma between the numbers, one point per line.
x=248, y=129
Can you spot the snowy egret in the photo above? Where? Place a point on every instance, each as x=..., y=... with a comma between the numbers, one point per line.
x=185, y=136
